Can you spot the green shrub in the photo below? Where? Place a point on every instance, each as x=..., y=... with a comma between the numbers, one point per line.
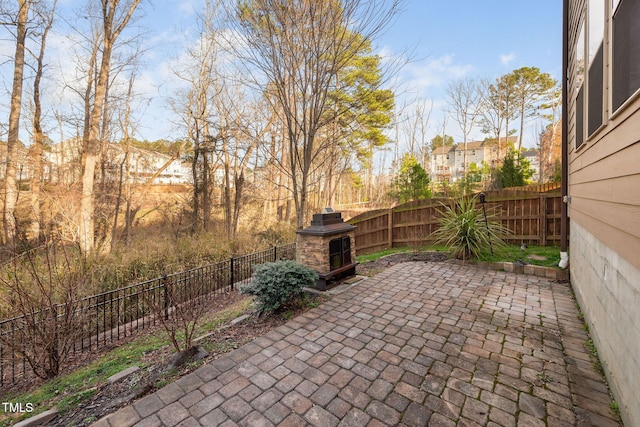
x=275, y=283
x=466, y=231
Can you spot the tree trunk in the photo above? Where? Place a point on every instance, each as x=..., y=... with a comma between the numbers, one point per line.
x=38, y=138
x=522, y=111
x=13, y=137
x=237, y=204
x=206, y=190
x=122, y=176
x=228, y=220
x=91, y=142
x=196, y=186
x=92, y=156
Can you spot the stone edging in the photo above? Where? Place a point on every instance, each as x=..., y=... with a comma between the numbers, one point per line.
x=37, y=420
x=514, y=267
x=44, y=417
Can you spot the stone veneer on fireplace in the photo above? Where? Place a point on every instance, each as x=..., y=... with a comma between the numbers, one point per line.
x=328, y=247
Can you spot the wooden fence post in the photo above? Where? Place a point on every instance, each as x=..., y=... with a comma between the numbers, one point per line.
x=390, y=227
x=543, y=220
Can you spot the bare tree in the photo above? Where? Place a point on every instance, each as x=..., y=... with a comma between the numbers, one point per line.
x=417, y=127
x=549, y=138
x=492, y=113
x=463, y=97
x=179, y=306
x=115, y=16
x=195, y=106
x=124, y=184
x=238, y=123
x=13, y=137
x=299, y=47
x=247, y=128
x=44, y=288
x=38, y=135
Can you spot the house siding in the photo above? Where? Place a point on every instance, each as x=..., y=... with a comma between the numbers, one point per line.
x=604, y=207
x=606, y=287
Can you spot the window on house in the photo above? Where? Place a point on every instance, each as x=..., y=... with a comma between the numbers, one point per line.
x=578, y=87
x=595, y=94
x=626, y=51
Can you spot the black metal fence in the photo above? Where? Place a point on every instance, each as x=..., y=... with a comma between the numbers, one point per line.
x=107, y=317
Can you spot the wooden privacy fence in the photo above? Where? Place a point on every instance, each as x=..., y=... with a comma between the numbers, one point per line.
x=533, y=218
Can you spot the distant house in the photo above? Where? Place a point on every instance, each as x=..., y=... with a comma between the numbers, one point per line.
x=62, y=164
x=148, y=166
x=442, y=164
x=23, y=169
x=474, y=152
x=602, y=150
x=533, y=157
x=448, y=164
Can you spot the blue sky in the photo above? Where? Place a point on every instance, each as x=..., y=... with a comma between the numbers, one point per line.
x=449, y=40
x=480, y=34
x=456, y=39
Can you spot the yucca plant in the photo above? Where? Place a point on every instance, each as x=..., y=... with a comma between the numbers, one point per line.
x=466, y=231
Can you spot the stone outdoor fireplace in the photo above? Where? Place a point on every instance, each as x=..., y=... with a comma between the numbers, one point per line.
x=327, y=246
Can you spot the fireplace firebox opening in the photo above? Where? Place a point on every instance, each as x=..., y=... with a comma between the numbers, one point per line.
x=339, y=252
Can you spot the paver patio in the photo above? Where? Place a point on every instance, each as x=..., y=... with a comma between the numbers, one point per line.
x=419, y=344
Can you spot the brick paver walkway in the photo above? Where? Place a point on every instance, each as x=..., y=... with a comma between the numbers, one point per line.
x=420, y=344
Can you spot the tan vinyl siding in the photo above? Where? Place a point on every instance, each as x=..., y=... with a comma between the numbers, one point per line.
x=622, y=190
x=604, y=208
x=615, y=236
x=604, y=174
x=604, y=184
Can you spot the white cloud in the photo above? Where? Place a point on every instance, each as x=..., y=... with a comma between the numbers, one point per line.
x=506, y=59
x=438, y=71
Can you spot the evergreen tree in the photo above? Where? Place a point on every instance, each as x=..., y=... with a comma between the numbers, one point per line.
x=441, y=141
x=515, y=170
x=361, y=107
x=412, y=183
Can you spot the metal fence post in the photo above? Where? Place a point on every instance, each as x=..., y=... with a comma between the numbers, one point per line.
x=231, y=275
x=275, y=253
x=165, y=286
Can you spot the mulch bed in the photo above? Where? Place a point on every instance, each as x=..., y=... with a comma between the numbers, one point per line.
x=372, y=268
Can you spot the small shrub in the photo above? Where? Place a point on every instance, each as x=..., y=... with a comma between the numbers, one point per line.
x=275, y=283
x=42, y=288
x=464, y=229
x=179, y=307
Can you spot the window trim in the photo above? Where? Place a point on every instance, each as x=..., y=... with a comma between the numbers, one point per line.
x=616, y=111
x=580, y=83
x=589, y=71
